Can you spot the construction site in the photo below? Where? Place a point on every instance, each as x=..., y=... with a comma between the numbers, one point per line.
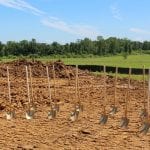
x=53, y=106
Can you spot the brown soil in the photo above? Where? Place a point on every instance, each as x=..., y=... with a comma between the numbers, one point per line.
x=61, y=134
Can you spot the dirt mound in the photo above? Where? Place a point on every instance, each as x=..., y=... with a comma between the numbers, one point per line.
x=17, y=68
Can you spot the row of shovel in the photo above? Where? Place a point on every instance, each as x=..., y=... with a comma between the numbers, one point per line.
x=144, y=114
x=52, y=113
x=54, y=108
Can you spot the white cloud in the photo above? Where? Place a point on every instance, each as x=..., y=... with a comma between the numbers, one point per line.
x=21, y=5
x=116, y=12
x=82, y=30
x=51, y=22
x=139, y=31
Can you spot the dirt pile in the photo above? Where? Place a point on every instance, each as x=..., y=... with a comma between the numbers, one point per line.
x=17, y=68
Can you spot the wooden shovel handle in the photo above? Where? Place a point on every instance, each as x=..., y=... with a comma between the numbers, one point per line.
x=8, y=79
x=148, y=99
x=77, y=94
x=127, y=97
x=31, y=82
x=104, y=72
x=144, y=94
x=54, y=78
x=28, y=88
x=48, y=81
x=115, y=84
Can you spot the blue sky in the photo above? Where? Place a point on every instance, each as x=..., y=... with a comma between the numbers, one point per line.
x=69, y=20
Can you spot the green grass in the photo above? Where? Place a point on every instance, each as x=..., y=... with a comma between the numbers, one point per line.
x=136, y=61
x=135, y=77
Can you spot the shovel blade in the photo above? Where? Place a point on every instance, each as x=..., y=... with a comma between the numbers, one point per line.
x=144, y=128
x=52, y=114
x=124, y=122
x=79, y=107
x=10, y=115
x=56, y=107
x=143, y=113
x=103, y=119
x=113, y=110
x=73, y=116
x=30, y=114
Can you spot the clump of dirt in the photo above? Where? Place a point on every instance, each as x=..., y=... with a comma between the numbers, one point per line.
x=17, y=68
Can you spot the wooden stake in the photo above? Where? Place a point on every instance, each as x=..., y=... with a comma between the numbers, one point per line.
x=49, y=88
x=28, y=88
x=9, y=93
x=30, y=70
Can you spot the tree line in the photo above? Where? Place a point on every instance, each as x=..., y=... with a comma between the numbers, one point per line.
x=86, y=46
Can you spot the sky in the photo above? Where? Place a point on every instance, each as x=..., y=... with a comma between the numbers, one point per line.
x=68, y=20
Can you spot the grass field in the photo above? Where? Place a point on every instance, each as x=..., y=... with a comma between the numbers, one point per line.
x=136, y=61
x=133, y=76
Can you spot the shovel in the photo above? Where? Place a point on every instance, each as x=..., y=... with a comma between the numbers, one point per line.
x=10, y=114
x=74, y=115
x=114, y=108
x=56, y=105
x=78, y=107
x=145, y=127
x=104, y=117
x=144, y=113
x=32, y=105
x=146, y=123
x=30, y=110
x=124, y=120
x=52, y=112
x=30, y=113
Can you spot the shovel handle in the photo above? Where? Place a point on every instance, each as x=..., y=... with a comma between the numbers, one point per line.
x=115, y=91
x=148, y=100
x=76, y=85
x=28, y=88
x=144, y=94
x=104, y=72
x=49, y=87
x=30, y=71
x=128, y=92
x=8, y=78
x=54, y=77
